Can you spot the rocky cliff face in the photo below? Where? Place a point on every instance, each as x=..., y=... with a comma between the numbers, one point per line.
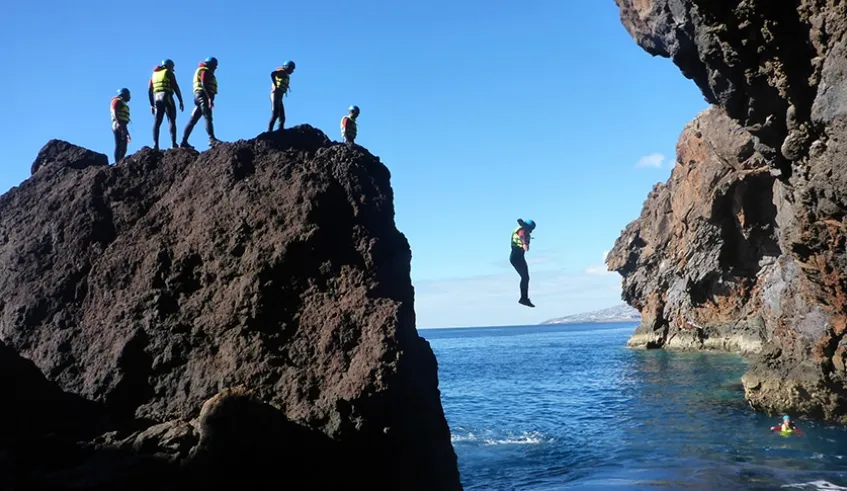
x=691, y=262
x=243, y=315
x=777, y=69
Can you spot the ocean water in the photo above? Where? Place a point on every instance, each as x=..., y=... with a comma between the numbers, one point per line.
x=562, y=407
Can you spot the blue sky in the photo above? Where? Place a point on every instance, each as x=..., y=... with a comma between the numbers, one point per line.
x=483, y=111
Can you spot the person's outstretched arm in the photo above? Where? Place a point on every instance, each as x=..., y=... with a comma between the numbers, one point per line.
x=176, y=90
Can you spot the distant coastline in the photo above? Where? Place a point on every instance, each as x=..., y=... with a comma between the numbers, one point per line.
x=603, y=321
x=619, y=313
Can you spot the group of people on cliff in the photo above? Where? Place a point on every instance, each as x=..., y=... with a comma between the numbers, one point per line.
x=163, y=86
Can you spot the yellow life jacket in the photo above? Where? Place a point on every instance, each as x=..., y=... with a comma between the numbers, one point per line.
x=161, y=81
x=516, y=239
x=211, y=81
x=281, y=79
x=122, y=110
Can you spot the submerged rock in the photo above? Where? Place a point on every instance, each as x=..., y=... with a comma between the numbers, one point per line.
x=777, y=70
x=242, y=313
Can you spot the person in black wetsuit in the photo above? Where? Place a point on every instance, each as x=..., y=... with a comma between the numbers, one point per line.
x=281, y=79
x=120, y=119
x=205, y=91
x=520, y=245
x=160, y=91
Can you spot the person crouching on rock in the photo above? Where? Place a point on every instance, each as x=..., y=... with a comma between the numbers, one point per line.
x=205, y=90
x=348, y=125
x=280, y=79
x=520, y=245
x=120, y=118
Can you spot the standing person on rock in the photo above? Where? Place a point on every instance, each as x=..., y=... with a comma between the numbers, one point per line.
x=205, y=90
x=280, y=79
x=348, y=125
x=160, y=91
x=520, y=245
x=119, y=110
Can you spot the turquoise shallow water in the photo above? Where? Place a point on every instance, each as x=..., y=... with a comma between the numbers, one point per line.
x=561, y=407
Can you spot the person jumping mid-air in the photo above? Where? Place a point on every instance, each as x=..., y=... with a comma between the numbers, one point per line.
x=281, y=78
x=120, y=118
x=205, y=90
x=161, y=91
x=520, y=245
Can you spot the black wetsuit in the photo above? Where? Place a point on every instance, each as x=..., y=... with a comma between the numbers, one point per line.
x=278, y=110
x=163, y=103
x=519, y=262
x=280, y=81
x=201, y=108
x=203, y=79
x=120, y=140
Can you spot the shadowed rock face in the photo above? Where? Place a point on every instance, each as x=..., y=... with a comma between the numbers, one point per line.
x=262, y=281
x=777, y=69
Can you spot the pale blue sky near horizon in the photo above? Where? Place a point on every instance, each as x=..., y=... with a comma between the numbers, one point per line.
x=483, y=111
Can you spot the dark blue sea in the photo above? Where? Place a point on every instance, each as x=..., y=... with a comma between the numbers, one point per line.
x=562, y=407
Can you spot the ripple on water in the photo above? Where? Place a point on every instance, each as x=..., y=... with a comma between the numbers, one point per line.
x=570, y=407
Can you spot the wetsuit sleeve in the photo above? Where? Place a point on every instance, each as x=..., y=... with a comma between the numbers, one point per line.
x=175, y=86
x=150, y=91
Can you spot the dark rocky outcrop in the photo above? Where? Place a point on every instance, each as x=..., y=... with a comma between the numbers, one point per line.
x=187, y=320
x=777, y=69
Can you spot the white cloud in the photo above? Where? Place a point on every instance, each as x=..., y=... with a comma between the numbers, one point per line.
x=492, y=300
x=652, y=160
x=599, y=269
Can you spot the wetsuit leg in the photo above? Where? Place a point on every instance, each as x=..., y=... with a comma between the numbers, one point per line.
x=206, y=111
x=170, y=111
x=120, y=142
x=196, y=114
x=277, y=110
x=159, y=105
x=519, y=262
x=281, y=113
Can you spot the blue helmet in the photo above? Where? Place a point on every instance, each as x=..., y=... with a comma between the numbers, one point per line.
x=289, y=63
x=123, y=91
x=211, y=61
x=354, y=109
x=786, y=418
x=530, y=224
x=168, y=63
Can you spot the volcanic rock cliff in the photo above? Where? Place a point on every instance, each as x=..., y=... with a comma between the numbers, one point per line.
x=746, y=242
x=240, y=318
